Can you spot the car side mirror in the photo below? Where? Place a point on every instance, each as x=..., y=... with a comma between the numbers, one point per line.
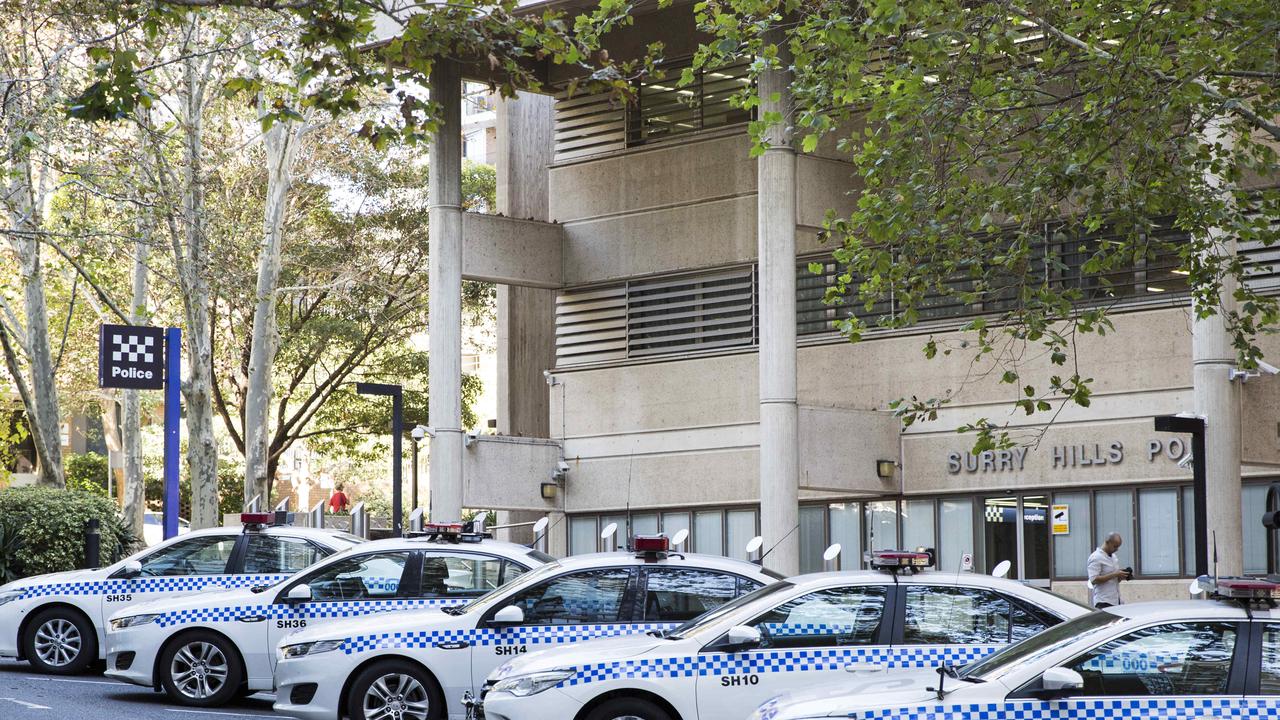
x=298, y=594
x=1060, y=682
x=743, y=637
x=131, y=569
x=509, y=615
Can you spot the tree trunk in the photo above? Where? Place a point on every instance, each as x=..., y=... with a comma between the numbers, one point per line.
x=135, y=501
x=44, y=390
x=281, y=144
x=192, y=258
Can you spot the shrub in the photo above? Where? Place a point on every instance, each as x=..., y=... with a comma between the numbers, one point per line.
x=52, y=522
x=87, y=472
x=10, y=544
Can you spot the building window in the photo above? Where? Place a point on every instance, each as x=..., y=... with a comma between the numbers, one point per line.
x=665, y=109
x=845, y=521
x=1253, y=500
x=1071, y=549
x=955, y=524
x=1158, y=539
x=917, y=524
x=813, y=537
x=1114, y=512
x=713, y=532
x=882, y=525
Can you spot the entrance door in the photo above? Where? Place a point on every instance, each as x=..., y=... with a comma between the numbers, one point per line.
x=1035, y=540
x=1000, y=534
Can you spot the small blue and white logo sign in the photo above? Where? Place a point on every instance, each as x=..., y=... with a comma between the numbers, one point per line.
x=131, y=357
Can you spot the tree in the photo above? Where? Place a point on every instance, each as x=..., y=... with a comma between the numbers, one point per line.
x=986, y=135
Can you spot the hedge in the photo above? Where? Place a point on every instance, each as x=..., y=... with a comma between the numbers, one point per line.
x=51, y=524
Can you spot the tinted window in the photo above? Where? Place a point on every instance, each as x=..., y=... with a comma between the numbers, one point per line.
x=583, y=598
x=964, y=616
x=676, y=595
x=1176, y=659
x=1270, y=675
x=276, y=554
x=836, y=616
x=206, y=555
x=464, y=575
x=368, y=577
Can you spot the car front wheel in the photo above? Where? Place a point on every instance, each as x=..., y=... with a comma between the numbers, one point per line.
x=61, y=642
x=201, y=670
x=628, y=709
x=395, y=690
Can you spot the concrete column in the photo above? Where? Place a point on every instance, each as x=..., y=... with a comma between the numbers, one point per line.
x=779, y=416
x=1218, y=401
x=445, y=295
x=526, y=316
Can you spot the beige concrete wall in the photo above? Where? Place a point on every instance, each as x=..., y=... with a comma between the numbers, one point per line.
x=505, y=250
x=1130, y=592
x=505, y=473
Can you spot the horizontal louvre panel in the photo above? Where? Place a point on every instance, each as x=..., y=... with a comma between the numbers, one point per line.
x=588, y=124
x=691, y=313
x=591, y=325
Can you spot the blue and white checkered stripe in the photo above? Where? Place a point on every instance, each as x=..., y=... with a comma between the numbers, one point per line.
x=540, y=635
x=779, y=661
x=308, y=611
x=174, y=584
x=1119, y=709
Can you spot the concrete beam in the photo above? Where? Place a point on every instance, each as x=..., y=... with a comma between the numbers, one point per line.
x=508, y=251
x=506, y=473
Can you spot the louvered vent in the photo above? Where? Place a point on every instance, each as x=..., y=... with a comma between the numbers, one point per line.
x=588, y=124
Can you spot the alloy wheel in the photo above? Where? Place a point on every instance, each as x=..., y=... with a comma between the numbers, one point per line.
x=58, y=642
x=199, y=670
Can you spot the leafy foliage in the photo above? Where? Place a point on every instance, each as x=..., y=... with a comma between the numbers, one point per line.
x=981, y=133
x=10, y=544
x=87, y=472
x=53, y=524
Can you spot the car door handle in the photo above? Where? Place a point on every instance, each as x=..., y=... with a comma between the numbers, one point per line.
x=863, y=667
x=251, y=618
x=459, y=645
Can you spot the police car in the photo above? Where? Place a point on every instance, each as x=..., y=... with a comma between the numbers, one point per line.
x=56, y=622
x=408, y=666
x=807, y=631
x=1186, y=659
x=207, y=649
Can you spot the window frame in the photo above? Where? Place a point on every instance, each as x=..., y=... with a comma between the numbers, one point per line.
x=240, y=554
x=626, y=606
x=409, y=586
x=231, y=567
x=640, y=611
x=884, y=631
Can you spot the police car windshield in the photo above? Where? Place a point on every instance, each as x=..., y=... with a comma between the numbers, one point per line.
x=1038, y=646
x=712, y=617
x=498, y=596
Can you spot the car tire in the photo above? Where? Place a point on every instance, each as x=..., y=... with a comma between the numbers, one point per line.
x=60, y=641
x=627, y=707
x=201, y=669
x=399, y=682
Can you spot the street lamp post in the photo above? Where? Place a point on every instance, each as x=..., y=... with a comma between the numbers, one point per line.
x=396, y=393
x=1194, y=426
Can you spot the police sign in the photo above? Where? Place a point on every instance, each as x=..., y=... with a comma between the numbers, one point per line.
x=131, y=356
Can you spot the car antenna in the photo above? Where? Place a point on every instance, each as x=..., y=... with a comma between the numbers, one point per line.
x=760, y=560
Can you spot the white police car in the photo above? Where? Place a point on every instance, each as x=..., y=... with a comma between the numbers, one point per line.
x=206, y=649
x=806, y=631
x=56, y=622
x=405, y=666
x=1187, y=659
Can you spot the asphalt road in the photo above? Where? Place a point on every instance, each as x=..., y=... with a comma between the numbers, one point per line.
x=24, y=695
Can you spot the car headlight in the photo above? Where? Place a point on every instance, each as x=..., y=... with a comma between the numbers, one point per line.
x=533, y=683
x=9, y=596
x=133, y=621
x=310, y=648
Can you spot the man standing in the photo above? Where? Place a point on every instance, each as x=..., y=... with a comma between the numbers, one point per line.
x=1105, y=573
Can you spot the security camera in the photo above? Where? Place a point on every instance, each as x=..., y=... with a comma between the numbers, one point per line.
x=551, y=379
x=562, y=467
x=1268, y=368
x=557, y=475
x=468, y=439
x=422, y=431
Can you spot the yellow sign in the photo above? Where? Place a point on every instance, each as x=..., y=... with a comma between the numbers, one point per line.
x=1061, y=520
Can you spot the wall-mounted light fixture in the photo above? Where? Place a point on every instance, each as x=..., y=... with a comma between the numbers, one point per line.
x=885, y=468
x=549, y=490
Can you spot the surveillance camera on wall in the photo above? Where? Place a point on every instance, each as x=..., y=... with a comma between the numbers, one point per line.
x=551, y=379
x=562, y=467
x=468, y=439
x=557, y=475
x=1268, y=368
x=422, y=431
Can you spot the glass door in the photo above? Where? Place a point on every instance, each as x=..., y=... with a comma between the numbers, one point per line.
x=1035, y=540
x=1000, y=534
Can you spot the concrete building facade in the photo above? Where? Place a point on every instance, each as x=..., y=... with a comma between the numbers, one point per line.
x=662, y=335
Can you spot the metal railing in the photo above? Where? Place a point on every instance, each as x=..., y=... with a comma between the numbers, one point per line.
x=360, y=520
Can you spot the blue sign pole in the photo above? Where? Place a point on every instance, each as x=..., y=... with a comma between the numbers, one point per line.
x=172, y=421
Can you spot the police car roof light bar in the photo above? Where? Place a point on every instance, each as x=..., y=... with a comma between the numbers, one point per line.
x=451, y=533
x=895, y=560
x=1244, y=590
x=651, y=547
x=256, y=518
